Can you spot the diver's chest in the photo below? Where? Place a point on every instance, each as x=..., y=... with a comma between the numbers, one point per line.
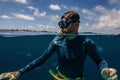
x=71, y=51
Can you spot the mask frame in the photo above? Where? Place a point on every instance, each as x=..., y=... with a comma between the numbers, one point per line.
x=65, y=22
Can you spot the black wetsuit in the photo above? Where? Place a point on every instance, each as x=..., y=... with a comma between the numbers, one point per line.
x=71, y=55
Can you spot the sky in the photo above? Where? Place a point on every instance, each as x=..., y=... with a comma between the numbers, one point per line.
x=101, y=16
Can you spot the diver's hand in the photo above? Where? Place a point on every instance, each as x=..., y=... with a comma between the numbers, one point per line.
x=10, y=75
x=109, y=74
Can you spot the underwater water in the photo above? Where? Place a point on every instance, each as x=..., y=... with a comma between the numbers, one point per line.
x=17, y=51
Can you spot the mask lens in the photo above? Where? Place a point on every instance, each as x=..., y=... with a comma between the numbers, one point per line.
x=64, y=23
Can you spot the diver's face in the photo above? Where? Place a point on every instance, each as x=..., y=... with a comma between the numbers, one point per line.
x=72, y=28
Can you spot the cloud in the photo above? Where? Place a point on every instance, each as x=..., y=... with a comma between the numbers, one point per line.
x=55, y=7
x=101, y=9
x=75, y=8
x=18, y=1
x=48, y=27
x=37, y=12
x=24, y=17
x=21, y=1
x=31, y=8
x=90, y=14
x=109, y=20
x=114, y=2
x=86, y=11
x=39, y=27
x=5, y=17
x=31, y=27
x=55, y=18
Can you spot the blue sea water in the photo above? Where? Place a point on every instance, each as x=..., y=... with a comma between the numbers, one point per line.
x=18, y=49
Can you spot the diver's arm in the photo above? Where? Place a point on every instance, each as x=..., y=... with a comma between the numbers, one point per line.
x=40, y=60
x=92, y=51
x=35, y=63
x=106, y=72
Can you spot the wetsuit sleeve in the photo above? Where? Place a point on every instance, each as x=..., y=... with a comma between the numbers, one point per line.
x=40, y=60
x=93, y=52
